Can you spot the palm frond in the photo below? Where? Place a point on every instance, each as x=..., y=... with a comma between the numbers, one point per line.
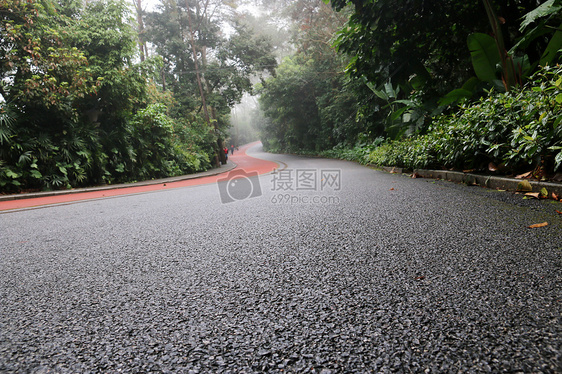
x=7, y=120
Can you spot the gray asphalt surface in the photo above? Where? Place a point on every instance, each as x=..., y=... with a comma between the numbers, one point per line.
x=388, y=274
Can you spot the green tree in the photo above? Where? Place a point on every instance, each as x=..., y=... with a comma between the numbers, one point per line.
x=77, y=108
x=107, y=36
x=43, y=77
x=421, y=46
x=207, y=71
x=310, y=103
x=35, y=57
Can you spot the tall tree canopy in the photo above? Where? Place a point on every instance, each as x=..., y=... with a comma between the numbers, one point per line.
x=310, y=102
x=81, y=103
x=407, y=61
x=413, y=41
x=199, y=57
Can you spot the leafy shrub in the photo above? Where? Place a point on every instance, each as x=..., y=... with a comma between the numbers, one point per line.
x=163, y=147
x=359, y=153
x=516, y=129
x=35, y=156
x=152, y=145
x=419, y=152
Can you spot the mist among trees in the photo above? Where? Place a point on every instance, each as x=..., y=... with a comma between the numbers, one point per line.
x=106, y=91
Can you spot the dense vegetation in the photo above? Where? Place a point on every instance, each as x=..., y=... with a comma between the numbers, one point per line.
x=504, y=130
x=106, y=92
x=84, y=102
x=446, y=84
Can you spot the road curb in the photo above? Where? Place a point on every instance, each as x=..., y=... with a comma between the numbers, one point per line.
x=209, y=173
x=488, y=181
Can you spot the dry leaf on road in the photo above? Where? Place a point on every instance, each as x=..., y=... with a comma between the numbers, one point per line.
x=525, y=175
x=533, y=194
x=536, y=226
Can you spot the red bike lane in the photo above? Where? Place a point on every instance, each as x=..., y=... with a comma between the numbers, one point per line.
x=244, y=162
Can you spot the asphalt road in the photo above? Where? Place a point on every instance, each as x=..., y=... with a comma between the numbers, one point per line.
x=325, y=267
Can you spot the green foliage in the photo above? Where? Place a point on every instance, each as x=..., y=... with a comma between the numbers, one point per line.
x=545, y=20
x=7, y=121
x=408, y=62
x=518, y=129
x=310, y=105
x=207, y=72
x=160, y=146
x=76, y=109
x=39, y=159
x=43, y=143
x=38, y=67
x=404, y=39
x=412, y=153
x=290, y=102
x=73, y=106
x=403, y=117
x=308, y=109
x=485, y=56
x=420, y=48
x=360, y=152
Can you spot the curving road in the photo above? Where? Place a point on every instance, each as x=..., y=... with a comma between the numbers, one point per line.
x=240, y=161
x=324, y=266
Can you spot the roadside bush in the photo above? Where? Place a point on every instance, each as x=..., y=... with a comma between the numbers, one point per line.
x=514, y=130
x=163, y=147
x=419, y=152
x=35, y=156
x=359, y=153
x=193, y=144
x=152, y=145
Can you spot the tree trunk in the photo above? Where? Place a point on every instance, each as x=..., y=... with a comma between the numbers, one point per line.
x=220, y=156
x=141, y=42
x=198, y=75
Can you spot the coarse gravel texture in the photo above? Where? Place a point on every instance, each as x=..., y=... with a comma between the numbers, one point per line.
x=391, y=275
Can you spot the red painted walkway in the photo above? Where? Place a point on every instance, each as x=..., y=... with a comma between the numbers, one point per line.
x=240, y=158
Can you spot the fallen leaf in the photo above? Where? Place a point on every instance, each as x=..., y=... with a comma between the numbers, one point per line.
x=524, y=186
x=469, y=170
x=492, y=167
x=544, y=193
x=525, y=175
x=555, y=196
x=420, y=278
x=392, y=189
x=416, y=175
x=559, y=212
x=534, y=195
x=538, y=225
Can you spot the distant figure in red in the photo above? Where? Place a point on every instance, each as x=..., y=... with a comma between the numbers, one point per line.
x=226, y=153
x=232, y=149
